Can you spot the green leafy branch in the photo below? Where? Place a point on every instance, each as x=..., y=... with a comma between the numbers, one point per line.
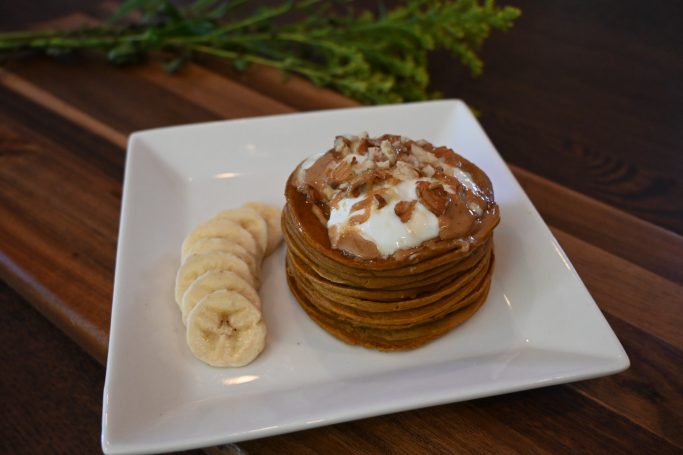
x=375, y=58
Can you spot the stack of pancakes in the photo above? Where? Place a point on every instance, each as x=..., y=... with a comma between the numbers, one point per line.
x=394, y=302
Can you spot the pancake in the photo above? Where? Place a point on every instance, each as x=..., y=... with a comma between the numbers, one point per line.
x=389, y=240
x=385, y=340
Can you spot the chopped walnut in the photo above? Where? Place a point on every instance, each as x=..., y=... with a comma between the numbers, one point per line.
x=423, y=156
x=382, y=174
x=381, y=202
x=410, y=159
x=447, y=156
x=367, y=164
x=342, y=172
x=399, y=147
x=433, y=196
x=341, y=144
x=404, y=171
x=404, y=210
x=366, y=177
x=373, y=153
x=388, y=151
x=428, y=170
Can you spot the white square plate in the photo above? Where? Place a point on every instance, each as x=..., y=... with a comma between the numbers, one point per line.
x=539, y=326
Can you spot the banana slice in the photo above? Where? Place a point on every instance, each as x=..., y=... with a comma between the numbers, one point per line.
x=198, y=264
x=212, y=281
x=226, y=229
x=272, y=216
x=225, y=330
x=226, y=245
x=250, y=220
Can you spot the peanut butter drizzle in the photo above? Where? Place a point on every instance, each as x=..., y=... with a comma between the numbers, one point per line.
x=457, y=221
x=356, y=245
x=315, y=175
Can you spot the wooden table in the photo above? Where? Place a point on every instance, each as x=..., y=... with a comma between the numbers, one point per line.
x=584, y=101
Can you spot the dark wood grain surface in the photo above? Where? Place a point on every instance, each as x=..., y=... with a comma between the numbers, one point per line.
x=582, y=99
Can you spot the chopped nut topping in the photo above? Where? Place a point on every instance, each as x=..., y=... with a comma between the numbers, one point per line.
x=341, y=144
x=402, y=176
x=388, y=151
x=367, y=164
x=404, y=210
x=373, y=153
x=381, y=202
x=361, y=205
x=422, y=155
x=446, y=155
x=433, y=196
x=404, y=171
x=399, y=147
x=382, y=174
x=410, y=159
x=364, y=178
x=342, y=172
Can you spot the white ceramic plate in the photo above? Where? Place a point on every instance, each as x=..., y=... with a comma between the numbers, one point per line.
x=539, y=326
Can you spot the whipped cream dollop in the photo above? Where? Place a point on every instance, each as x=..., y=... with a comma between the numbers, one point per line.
x=378, y=196
x=383, y=227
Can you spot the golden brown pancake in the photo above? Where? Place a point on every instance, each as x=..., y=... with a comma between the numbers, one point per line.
x=362, y=289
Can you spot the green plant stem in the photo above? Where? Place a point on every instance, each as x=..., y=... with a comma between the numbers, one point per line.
x=376, y=59
x=40, y=41
x=232, y=55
